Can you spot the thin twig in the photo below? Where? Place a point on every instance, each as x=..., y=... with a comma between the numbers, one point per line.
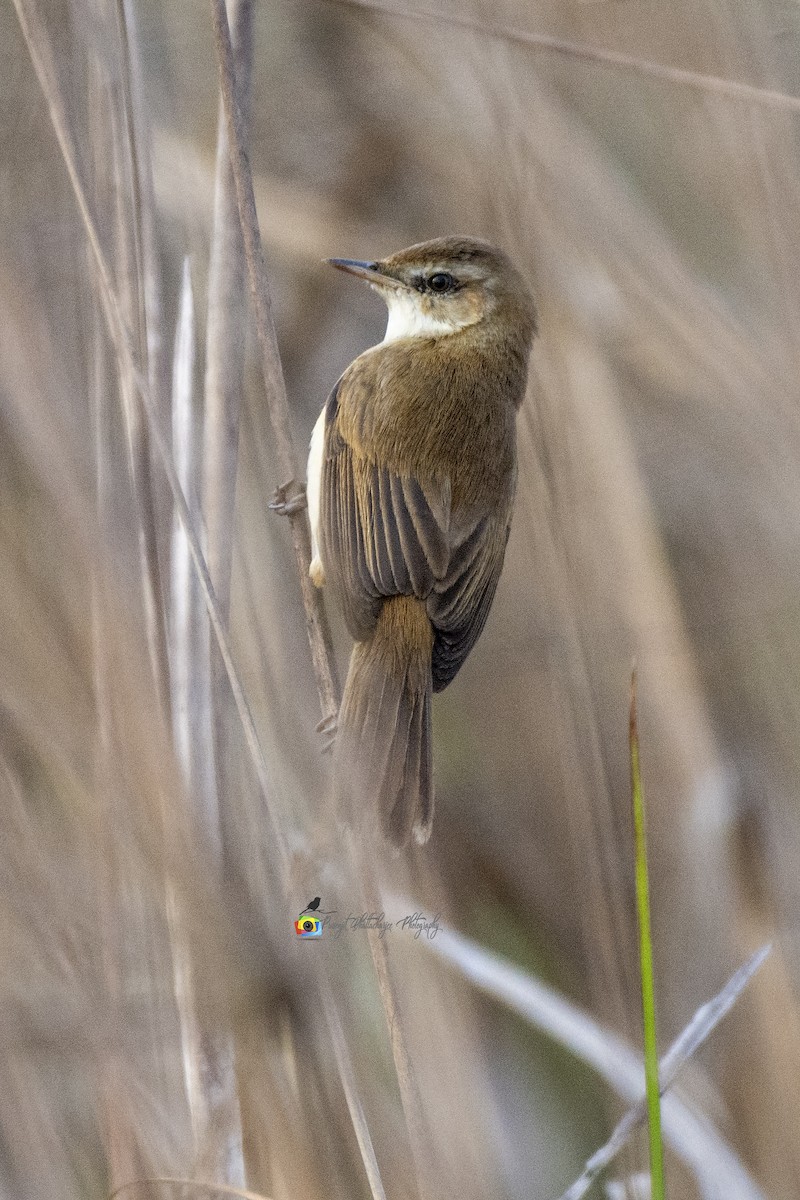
x=711, y=84
x=718, y=1170
x=685, y=1045
x=707, y=1017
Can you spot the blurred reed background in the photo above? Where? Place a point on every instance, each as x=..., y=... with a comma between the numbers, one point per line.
x=158, y=1015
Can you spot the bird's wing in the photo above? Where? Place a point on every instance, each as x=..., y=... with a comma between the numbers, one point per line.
x=388, y=534
x=460, y=603
x=383, y=533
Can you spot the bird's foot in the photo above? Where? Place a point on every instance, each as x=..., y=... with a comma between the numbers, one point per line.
x=285, y=504
x=328, y=727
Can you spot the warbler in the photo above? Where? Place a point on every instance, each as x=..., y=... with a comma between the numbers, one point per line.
x=411, y=478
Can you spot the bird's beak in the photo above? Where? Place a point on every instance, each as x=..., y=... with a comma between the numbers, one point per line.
x=369, y=271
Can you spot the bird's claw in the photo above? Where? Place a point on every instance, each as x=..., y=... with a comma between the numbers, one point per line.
x=284, y=504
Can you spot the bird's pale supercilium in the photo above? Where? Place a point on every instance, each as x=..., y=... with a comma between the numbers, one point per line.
x=411, y=479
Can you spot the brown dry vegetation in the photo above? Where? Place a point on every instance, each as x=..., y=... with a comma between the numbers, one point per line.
x=157, y=1015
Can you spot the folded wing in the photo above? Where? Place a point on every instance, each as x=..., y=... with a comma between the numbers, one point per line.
x=388, y=534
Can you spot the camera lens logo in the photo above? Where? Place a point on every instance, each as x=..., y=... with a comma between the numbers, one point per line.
x=308, y=926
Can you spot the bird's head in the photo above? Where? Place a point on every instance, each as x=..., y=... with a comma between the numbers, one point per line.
x=446, y=286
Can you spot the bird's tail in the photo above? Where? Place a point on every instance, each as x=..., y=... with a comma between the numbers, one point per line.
x=383, y=746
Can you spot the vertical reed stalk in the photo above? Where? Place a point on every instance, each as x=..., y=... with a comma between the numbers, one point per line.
x=316, y=620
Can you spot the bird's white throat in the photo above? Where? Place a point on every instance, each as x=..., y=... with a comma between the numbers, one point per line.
x=407, y=318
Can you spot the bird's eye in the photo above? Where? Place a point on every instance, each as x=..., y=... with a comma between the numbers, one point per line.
x=441, y=282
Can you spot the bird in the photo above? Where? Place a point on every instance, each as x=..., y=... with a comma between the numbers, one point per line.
x=411, y=478
x=312, y=905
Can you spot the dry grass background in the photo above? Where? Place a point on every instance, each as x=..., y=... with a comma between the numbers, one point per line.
x=157, y=1015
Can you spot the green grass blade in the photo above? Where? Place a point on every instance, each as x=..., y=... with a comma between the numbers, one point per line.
x=646, y=961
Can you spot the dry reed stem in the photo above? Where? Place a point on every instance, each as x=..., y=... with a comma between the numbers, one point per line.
x=226, y=327
x=209, y=1054
x=38, y=45
x=190, y=683
x=154, y=342
x=711, y=84
x=115, y=186
x=139, y=281
x=225, y=344
x=316, y=621
x=131, y=289
x=133, y=173
x=138, y=445
x=156, y=347
x=121, y=1159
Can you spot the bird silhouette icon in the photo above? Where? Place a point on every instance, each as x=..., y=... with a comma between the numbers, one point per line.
x=312, y=905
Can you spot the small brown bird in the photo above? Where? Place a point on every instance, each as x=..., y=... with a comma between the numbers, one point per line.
x=411, y=478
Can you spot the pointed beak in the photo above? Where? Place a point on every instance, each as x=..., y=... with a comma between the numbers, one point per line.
x=370, y=271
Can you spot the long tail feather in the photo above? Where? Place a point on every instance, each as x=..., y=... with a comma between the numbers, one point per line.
x=383, y=760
